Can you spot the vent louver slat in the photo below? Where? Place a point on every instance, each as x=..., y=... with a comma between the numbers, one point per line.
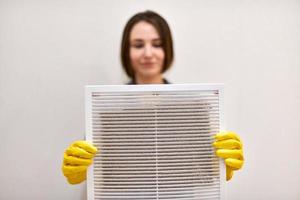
x=155, y=142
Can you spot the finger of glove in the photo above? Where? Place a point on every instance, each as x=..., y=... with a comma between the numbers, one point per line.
x=228, y=153
x=86, y=146
x=78, y=152
x=71, y=160
x=224, y=135
x=235, y=164
x=228, y=144
x=229, y=173
x=77, y=178
x=77, y=175
x=68, y=169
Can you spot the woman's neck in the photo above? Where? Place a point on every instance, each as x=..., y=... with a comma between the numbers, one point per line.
x=149, y=80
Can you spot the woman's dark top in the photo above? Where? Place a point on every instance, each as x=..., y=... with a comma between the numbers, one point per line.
x=132, y=82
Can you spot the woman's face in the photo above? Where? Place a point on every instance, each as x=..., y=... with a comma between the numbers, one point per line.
x=146, y=52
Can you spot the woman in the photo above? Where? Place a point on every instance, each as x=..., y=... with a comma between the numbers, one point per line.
x=146, y=53
x=147, y=48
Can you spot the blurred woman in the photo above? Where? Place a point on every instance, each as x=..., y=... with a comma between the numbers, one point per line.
x=146, y=54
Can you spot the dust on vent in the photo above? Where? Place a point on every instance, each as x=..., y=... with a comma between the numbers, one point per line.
x=155, y=142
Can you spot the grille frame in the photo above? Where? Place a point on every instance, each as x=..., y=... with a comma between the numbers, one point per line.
x=181, y=88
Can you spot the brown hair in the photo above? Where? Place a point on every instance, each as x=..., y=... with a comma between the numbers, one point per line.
x=163, y=30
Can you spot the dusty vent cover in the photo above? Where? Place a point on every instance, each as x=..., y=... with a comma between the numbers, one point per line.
x=154, y=141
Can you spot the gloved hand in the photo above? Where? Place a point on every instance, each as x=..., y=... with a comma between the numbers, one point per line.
x=229, y=146
x=77, y=157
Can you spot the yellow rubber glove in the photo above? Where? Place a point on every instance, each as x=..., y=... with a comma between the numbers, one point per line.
x=77, y=157
x=229, y=147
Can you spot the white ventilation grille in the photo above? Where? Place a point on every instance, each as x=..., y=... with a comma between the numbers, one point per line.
x=155, y=142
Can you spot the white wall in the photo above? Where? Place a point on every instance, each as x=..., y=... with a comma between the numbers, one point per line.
x=50, y=49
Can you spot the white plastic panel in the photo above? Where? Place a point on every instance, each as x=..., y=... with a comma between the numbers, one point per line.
x=154, y=142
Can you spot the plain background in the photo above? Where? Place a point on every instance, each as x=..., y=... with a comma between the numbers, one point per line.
x=51, y=49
